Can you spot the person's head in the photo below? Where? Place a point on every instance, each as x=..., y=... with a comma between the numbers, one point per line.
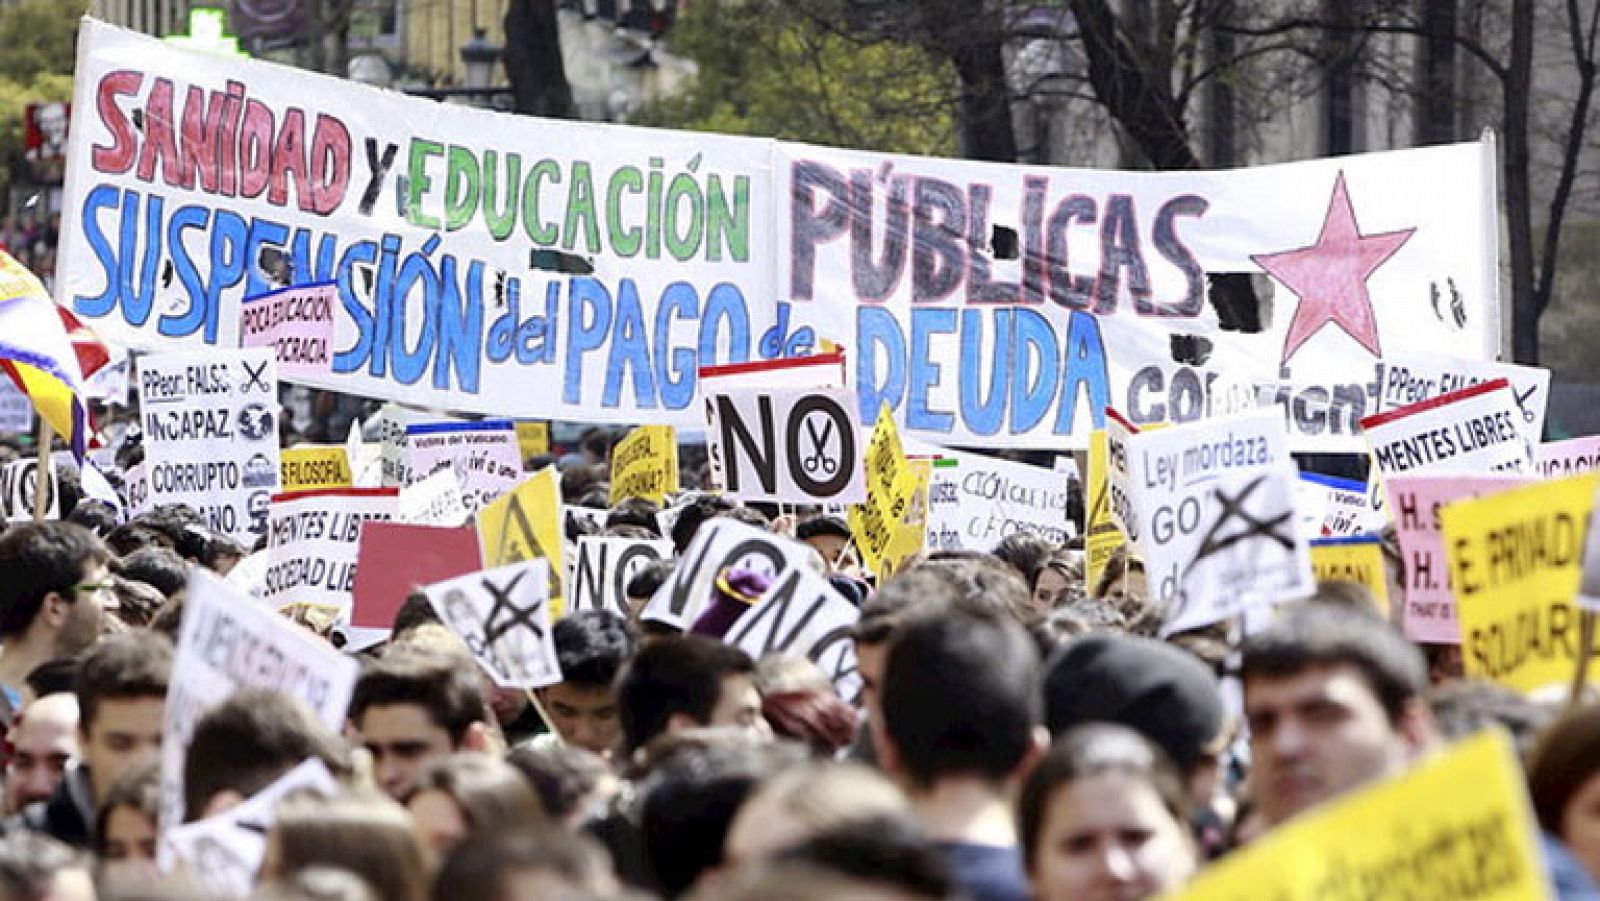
x=1023, y=552
x=684, y=683
x=122, y=695
x=803, y=802
x=54, y=586
x=411, y=707
x=124, y=834
x=525, y=865
x=1123, y=584
x=246, y=743
x=1104, y=816
x=1159, y=691
x=416, y=610
x=1056, y=580
x=884, y=856
x=43, y=739
x=691, y=515
x=633, y=518
x=1460, y=708
x=36, y=868
x=930, y=589
x=95, y=515
x=572, y=784
x=1333, y=700
x=365, y=833
x=689, y=799
x=1564, y=782
x=591, y=646
x=158, y=567
x=960, y=700
x=829, y=536
x=464, y=795
x=644, y=584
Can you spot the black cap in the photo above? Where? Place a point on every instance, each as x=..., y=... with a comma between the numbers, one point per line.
x=1159, y=691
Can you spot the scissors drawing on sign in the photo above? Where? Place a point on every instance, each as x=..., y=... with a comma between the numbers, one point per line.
x=818, y=460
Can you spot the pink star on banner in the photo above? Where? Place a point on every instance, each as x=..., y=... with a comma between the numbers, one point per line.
x=1330, y=276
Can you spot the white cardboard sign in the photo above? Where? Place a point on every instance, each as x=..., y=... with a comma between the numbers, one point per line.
x=503, y=615
x=485, y=456
x=802, y=614
x=313, y=541
x=603, y=566
x=718, y=544
x=984, y=499
x=1473, y=430
x=211, y=435
x=794, y=446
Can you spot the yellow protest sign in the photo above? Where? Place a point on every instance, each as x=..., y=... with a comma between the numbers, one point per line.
x=645, y=464
x=533, y=439
x=525, y=524
x=1357, y=559
x=314, y=467
x=1515, y=561
x=891, y=487
x=1478, y=844
x=1102, y=537
x=911, y=533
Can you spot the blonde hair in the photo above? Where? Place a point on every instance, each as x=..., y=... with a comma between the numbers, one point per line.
x=363, y=832
x=824, y=795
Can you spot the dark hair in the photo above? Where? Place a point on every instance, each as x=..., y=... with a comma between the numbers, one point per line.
x=491, y=794
x=819, y=526
x=1562, y=761
x=975, y=585
x=1023, y=552
x=1090, y=751
x=126, y=666
x=884, y=850
x=649, y=578
x=674, y=675
x=95, y=515
x=635, y=511
x=451, y=693
x=138, y=602
x=960, y=696
x=182, y=525
x=750, y=516
x=54, y=676
x=477, y=869
x=1317, y=633
x=561, y=775
x=592, y=646
x=138, y=788
x=689, y=800
x=129, y=537
x=37, y=558
x=160, y=568
x=245, y=743
x=701, y=508
x=414, y=611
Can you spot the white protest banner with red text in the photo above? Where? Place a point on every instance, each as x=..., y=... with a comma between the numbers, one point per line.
x=1473, y=430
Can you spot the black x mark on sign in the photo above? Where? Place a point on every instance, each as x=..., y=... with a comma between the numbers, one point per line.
x=1232, y=509
x=254, y=376
x=505, y=615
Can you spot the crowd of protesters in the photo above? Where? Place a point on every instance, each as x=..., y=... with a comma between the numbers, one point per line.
x=1019, y=733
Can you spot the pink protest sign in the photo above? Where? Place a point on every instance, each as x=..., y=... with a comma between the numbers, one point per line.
x=297, y=322
x=1430, y=609
x=1559, y=459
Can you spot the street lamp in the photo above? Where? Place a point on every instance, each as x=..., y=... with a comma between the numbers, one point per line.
x=478, y=57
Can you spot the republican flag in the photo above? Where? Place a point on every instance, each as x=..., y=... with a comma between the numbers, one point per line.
x=44, y=349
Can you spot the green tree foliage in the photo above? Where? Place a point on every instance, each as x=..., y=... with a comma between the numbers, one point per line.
x=40, y=37
x=775, y=68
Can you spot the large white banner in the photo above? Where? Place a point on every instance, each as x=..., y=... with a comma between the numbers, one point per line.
x=314, y=540
x=475, y=253
x=999, y=305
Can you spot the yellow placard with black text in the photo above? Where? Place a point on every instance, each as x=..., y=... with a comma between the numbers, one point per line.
x=314, y=467
x=645, y=464
x=1102, y=537
x=533, y=439
x=525, y=524
x=891, y=485
x=1418, y=835
x=1516, y=557
x=1357, y=559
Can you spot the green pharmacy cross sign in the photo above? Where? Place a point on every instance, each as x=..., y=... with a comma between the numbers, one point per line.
x=208, y=32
